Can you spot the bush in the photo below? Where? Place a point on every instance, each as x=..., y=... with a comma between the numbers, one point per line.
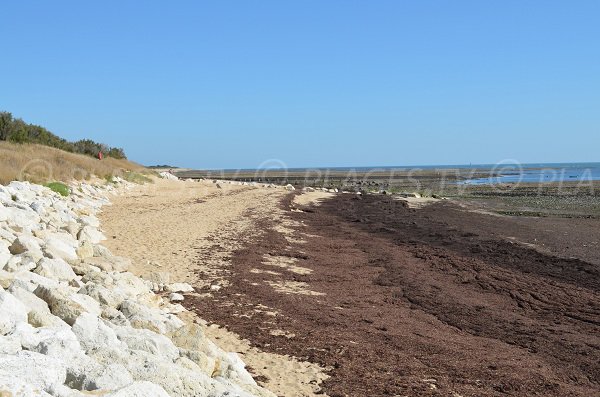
x=59, y=188
x=135, y=177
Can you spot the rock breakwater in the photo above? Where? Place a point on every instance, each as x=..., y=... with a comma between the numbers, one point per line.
x=75, y=322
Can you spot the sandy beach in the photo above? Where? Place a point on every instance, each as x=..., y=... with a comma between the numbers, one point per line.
x=187, y=232
x=344, y=295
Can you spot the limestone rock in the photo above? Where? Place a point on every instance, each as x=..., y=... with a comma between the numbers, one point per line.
x=11, y=386
x=58, y=248
x=35, y=369
x=175, y=297
x=67, y=306
x=85, y=250
x=148, y=341
x=141, y=316
x=26, y=243
x=179, y=287
x=12, y=312
x=103, y=295
x=56, y=269
x=93, y=333
x=140, y=389
x=59, y=342
x=91, y=234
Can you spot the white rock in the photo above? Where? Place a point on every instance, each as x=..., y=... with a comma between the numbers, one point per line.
x=6, y=278
x=66, y=305
x=4, y=214
x=140, y=389
x=35, y=369
x=28, y=299
x=93, y=333
x=20, y=262
x=105, y=296
x=112, y=377
x=89, y=220
x=12, y=312
x=290, y=187
x=59, y=342
x=31, y=280
x=175, y=297
x=24, y=217
x=148, y=341
x=56, y=269
x=11, y=386
x=168, y=175
x=179, y=287
x=91, y=234
x=26, y=243
x=5, y=254
x=58, y=248
x=10, y=344
x=85, y=250
x=141, y=316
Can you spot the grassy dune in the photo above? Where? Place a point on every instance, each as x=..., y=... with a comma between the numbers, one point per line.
x=42, y=164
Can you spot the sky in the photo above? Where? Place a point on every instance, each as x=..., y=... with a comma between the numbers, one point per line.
x=240, y=84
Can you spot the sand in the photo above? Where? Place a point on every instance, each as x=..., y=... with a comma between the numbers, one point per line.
x=188, y=230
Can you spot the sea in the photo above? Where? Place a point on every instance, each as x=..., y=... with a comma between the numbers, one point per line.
x=504, y=172
x=538, y=173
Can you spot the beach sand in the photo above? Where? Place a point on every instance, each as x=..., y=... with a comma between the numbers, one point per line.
x=186, y=232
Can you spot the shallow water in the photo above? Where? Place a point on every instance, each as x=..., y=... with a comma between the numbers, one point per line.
x=542, y=173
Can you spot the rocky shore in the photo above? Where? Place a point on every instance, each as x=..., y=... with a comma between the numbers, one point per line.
x=75, y=322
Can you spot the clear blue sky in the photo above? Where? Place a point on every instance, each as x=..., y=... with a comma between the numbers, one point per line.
x=311, y=83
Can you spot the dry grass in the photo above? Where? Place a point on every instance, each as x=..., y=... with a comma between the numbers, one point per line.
x=42, y=164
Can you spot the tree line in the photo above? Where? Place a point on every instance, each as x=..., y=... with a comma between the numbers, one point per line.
x=16, y=130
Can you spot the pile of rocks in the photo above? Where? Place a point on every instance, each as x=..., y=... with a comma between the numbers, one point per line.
x=74, y=322
x=168, y=175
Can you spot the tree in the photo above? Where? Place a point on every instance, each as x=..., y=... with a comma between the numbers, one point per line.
x=6, y=122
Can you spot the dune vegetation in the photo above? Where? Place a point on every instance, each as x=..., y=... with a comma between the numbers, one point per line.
x=43, y=164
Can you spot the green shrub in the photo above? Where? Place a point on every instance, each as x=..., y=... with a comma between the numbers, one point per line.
x=135, y=177
x=59, y=188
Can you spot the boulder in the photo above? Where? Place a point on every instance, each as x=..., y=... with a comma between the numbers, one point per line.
x=59, y=342
x=58, y=248
x=27, y=243
x=56, y=269
x=175, y=297
x=91, y=234
x=6, y=278
x=10, y=344
x=148, y=341
x=290, y=187
x=5, y=254
x=67, y=306
x=34, y=369
x=140, y=389
x=11, y=386
x=179, y=287
x=111, y=377
x=85, y=250
x=28, y=299
x=30, y=280
x=103, y=295
x=141, y=316
x=89, y=220
x=12, y=312
x=19, y=262
x=94, y=334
